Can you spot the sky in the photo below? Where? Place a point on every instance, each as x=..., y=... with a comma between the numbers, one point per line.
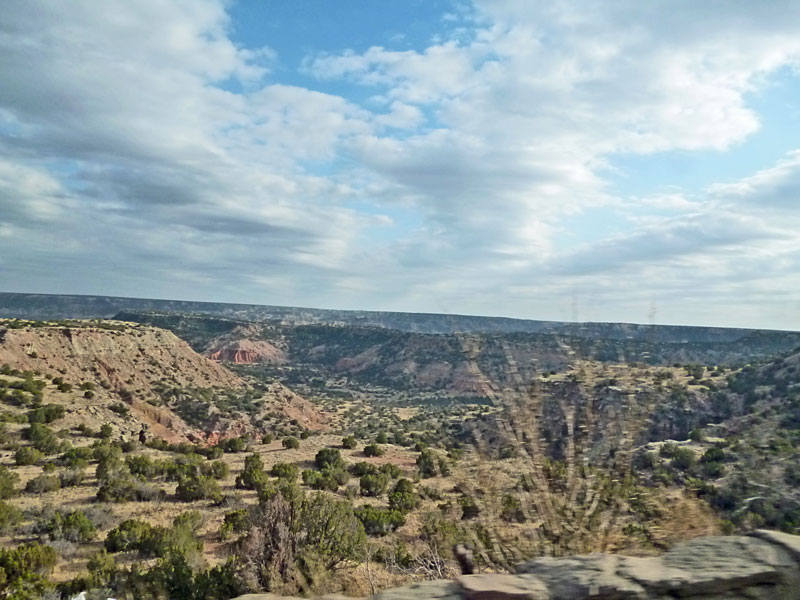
x=585, y=160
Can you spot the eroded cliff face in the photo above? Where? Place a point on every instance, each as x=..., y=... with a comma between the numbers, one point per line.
x=247, y=352
x=134, y=357
x=123, y=362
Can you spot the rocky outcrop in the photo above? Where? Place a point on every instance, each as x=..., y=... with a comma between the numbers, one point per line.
x=248, y=352
x=762, y=566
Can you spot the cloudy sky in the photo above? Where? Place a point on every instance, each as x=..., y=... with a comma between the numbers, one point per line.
x=571, y=160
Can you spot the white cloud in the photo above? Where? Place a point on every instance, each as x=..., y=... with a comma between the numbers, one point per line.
x=136, y=160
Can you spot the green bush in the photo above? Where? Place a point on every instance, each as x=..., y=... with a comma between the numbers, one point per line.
x=390, y=469
x=291, y=443
x=374, y=484
x=297, y=538
x=106, y=431
x=349, y=442
x=382, y=438
x=403, y=502
x=236, y=444
x=362, y=468
x=512, y=509
x=469, y=508
x=8, y=483
x=237, y=521
x=373, y=450
x=379, y=521
x=10, y=517
x=77, y=457
x=46, y=414
x=128, y=535
x=286, y=471
x=253, y=475
x=71, y=477
x=216, y=469
x=43, y=438
x=71, y=526
x=328, y=457
x=198, y=488
x=24, y=570
x=683, y=459
x=43, y=484
x=427, y=464
x=267, y=438
x=27, y=455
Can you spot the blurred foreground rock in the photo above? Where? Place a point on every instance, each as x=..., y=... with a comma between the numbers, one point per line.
x=762, y=566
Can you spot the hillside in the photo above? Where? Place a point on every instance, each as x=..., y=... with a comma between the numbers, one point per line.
x=177, y=393
x=402, y=360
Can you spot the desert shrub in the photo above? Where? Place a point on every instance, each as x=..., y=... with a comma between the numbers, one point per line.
x=10, y=517
x=235, y=444
x=253, y=474
x=373, y=450
x=128, y=535
x=104, y=451
x=25, y=569
x=683, y=459
x=101, y=567
x=267, y=438
x=362, y=468
x=311, y=477
x=379, y=521
x=328, y=457
x=713, y=454
x=120, y=408
x=191, y=519
x=291, y=443
x=390, y=469
x=42, y=438
x=27, y=455
x=121, y=486
x=792, y=474
x=8, y=483
x=71, y=526
x=236, y=521
x=46, y=414
x=402, y=502
x=43, y=484
x=84, y=430
x=427, y=464
x=374, y=484
x=216, y=469
x=382, y=438
x=511, y=509
x=296, y=538
x=76, y=457
x=668, y=450
x=143, y=466
x=349, y=442
x=106, y=431
x=469, y=508
x=71, y=477
x=212, y=453
x=198, y=488
x=88, y=394
x=285, y=471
